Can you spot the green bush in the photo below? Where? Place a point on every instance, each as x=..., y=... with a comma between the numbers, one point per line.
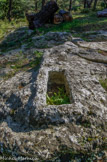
x=75, y=8
x=3, y=9
x=103, y=5
x=85, y=10
x=19, y=7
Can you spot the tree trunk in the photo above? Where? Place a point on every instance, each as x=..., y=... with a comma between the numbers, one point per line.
x=36, y=5
x=44, y=16
x=95, y=4
x=105, y=1
x=9, y=10
x=43, y=3
x=85, y=3
x=89, y=3
x=70, y=5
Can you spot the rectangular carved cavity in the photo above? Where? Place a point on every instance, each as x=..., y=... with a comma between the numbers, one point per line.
x=58, y=92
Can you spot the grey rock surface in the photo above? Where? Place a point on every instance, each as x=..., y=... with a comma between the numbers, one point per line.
x=30, y=127
x=51, y=39
x=102, y=13
x=94, y=45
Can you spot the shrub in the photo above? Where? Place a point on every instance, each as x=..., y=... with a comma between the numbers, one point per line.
x=85, y=10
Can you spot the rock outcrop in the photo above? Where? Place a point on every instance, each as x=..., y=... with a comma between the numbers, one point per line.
x=94, y=45
x=102, y=13
x=29, y=127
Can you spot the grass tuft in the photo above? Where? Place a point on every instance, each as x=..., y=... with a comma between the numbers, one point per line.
x=104, y=83
x=58, y=98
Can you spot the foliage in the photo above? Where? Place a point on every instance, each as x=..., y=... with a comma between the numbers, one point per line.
x=103, y=5
x=85, y=10
x=58, y=98
x=19, y=7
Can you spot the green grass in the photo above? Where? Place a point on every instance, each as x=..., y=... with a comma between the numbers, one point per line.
x=23, y=64
x=6, y=27
x=58, y=98
x=81, y=22
x=37, y=61
x=14, y=34
x=104, y=83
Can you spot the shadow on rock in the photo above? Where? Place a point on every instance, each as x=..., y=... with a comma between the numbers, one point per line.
x=14, y=102
x=18, y=116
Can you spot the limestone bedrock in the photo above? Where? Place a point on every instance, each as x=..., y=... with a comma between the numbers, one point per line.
x=30, y=127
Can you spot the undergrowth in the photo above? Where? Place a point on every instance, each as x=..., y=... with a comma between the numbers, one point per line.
x=7, y=27
x=58, y=98
x=81, y=23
